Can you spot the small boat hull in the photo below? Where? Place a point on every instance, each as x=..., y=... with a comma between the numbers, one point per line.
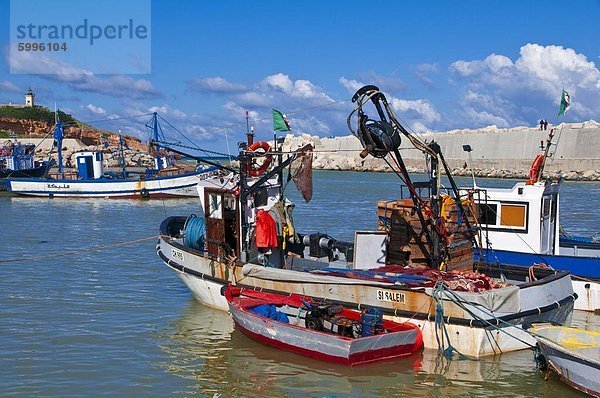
x=573, y=354
x=35, y=172
x=177, y=186
x=327, y=346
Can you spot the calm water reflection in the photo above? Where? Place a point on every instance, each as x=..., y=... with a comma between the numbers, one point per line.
x=119, y=323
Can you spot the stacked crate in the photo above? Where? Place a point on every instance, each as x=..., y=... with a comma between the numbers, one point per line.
x=407, y=243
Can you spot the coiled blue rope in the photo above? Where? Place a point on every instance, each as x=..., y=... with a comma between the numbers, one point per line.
x=195, y=229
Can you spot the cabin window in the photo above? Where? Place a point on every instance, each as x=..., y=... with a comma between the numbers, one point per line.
x=487, y=214
x=261, y=198
x=512, y=215
x=546, y=206
x=214, y=203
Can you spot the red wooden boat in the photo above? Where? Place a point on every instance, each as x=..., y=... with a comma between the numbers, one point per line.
x=319, y=330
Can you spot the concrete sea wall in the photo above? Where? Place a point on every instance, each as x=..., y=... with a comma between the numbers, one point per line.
x=496, y=152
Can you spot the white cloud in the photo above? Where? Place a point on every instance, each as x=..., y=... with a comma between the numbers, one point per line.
x=530, y=86
x=423, y=72
x=419, y=114
x=388, y=84
x=217, y=85
x=80, y=79
x=298, y=88
x=96, y=109
x=301, y=99
x=237, y=110
x=9, y=86
x=166, y=110
x=351, y=85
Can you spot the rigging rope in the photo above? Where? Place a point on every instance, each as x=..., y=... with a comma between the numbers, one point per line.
x=116, y=118
x=76, y=251
x=225, y=155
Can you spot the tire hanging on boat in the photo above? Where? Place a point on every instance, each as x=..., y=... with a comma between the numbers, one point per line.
x=144, y=193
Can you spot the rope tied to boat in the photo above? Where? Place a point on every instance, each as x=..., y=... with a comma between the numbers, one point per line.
x=453, y=297
x=440, y=325
x=77, y=251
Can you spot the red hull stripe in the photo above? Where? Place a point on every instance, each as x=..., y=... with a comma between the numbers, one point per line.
x=362, y=358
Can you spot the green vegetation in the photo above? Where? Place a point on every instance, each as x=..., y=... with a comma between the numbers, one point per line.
x=4, y=134
x=37, y=113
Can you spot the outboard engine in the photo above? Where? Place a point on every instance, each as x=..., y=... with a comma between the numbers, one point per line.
x=371, y=322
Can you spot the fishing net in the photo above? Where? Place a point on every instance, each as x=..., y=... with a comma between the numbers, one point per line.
x=301, y=172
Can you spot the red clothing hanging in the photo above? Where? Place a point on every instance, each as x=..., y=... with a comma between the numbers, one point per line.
x=266, y=231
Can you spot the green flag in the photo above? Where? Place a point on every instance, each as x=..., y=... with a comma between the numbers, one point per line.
x=280, y=123
x=565, y=101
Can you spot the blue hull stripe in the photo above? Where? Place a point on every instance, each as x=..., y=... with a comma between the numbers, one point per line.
x=110, y=180
x=587, y=267
x=123, y=192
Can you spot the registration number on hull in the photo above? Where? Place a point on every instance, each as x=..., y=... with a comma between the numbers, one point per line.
x=177, y=254
x=394, y=297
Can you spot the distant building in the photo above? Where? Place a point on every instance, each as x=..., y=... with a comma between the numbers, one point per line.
x=30, y=98
x=29, y=101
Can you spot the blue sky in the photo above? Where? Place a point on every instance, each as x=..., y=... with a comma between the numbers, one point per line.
x=444, y=65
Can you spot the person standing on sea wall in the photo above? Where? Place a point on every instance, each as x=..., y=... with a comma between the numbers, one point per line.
x=541, y=124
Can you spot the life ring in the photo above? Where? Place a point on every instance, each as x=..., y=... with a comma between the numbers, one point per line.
x=535, y=169
x=256, y=171
x=144, y=193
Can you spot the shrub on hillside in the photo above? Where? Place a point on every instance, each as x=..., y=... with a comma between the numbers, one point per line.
x=37, y=113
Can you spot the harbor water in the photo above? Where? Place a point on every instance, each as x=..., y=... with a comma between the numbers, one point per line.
x=108, y=318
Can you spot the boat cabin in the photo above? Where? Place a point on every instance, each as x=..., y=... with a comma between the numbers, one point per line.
x=90, y=165
x=523, y=218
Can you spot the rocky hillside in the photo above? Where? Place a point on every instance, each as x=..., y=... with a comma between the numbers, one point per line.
x=37, y=122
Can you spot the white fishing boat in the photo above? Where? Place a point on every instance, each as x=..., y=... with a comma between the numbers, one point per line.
x=573, y=354
x=231, y=242
x=89, y=180
x=521, y=226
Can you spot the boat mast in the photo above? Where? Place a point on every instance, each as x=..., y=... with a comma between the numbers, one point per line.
x=155, y=138
x=121, y=153
x=58, y=139
x=245, y=164
x=549, y=143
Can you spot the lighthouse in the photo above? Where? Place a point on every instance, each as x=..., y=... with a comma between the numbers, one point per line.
x=29, y=99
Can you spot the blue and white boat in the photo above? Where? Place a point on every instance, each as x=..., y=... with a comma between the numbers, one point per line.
x=90, y=180
x=16, y=161
x=521, y=225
